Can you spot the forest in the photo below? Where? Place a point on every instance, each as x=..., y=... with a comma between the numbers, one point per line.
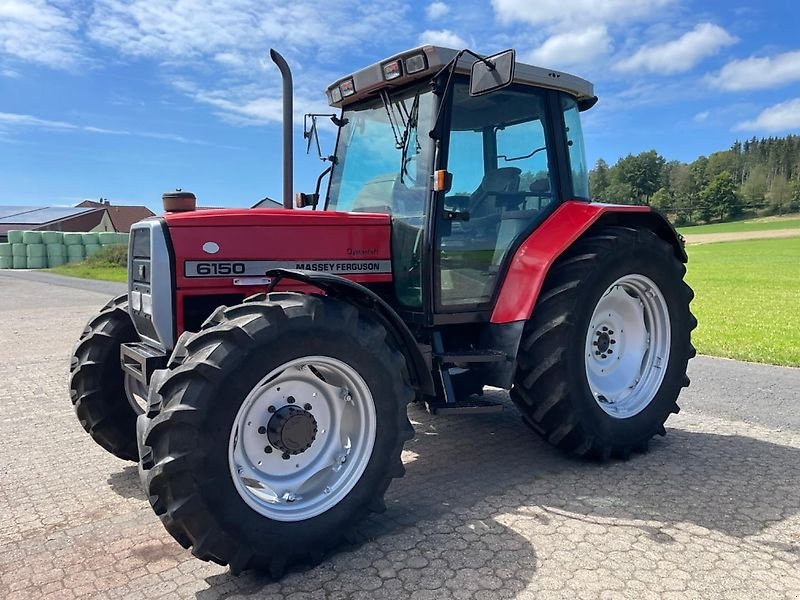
x=756, y=177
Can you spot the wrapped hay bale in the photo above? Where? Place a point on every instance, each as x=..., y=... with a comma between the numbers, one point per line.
x=37, y=262
x=35, y=251
x=52, y=237
x=73, y=239
x=56, y=250
x=90, y=238
x=20, y=262
x=31, y=237
x=6, y=262
x=5, y=249
x=15, y=236
x=107, y=238
x=55, y=261
x=92, y=249
x=18, y=250
x=78, y=253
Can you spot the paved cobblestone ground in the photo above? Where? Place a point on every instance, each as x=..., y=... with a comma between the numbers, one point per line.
x=486, y=509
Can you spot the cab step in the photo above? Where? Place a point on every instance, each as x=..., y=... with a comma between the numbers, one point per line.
x=471, y=406
x=464, y=357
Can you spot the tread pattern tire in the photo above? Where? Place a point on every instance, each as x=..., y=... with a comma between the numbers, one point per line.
x=550, y=387
x=187, y=479
x=97, y=383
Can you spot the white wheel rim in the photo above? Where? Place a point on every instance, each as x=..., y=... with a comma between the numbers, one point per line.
x=313, y=480
x=627, y=346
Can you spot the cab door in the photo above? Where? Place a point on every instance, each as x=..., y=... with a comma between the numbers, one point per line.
x=501, y=154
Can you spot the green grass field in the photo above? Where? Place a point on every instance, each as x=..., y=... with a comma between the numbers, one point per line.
x=765, y=224
x=90, y=271
x=747, y=299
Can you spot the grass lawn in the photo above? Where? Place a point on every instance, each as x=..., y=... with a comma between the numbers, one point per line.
x=764, y=224
x=747, y=299
x=104, y=272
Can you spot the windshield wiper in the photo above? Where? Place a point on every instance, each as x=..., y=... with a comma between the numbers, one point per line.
x=408, y=119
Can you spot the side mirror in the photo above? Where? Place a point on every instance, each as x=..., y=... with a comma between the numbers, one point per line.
x=492, y=73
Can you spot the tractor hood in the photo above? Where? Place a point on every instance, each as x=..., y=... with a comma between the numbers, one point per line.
x=231, y=250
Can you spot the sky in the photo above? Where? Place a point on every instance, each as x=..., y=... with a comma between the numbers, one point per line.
x=126, y=99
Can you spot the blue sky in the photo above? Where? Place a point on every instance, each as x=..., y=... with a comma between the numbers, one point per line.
x=126, y=99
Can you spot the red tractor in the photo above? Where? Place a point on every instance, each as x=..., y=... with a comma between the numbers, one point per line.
x=260, y=366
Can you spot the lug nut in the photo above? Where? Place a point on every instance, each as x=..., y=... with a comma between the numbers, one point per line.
x=290, y=400
x=605, y=328
x=262, y=430
x=268, y=449
x=610, y=351
x=610, y=332
x=307, y=406
x=613, y=341
x=597, y=352
x=271, y=409
x=286, y=456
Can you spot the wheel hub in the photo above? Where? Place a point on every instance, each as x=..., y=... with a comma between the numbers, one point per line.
x=292, y=430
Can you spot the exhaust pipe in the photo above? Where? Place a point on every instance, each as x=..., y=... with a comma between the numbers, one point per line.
x=288, y=117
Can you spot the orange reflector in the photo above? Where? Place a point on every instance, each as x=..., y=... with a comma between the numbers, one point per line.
x=440, y=181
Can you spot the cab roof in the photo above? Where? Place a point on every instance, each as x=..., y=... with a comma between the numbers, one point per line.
x=367, y=81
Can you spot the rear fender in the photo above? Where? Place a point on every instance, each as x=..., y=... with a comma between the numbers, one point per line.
x=536, y=255
x=568, y=223
x=366, y=300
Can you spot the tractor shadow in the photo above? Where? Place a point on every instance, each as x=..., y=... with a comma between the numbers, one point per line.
x=466, y=474
x=126, y=482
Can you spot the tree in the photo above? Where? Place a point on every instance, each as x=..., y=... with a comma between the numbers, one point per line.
x=719, y=198
x=662, y=200
x=599, y=179
x=779, y=195
x=642, y=173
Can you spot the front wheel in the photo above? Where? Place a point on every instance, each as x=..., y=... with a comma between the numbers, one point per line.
x=603, y=358
x=275, y=430
x=107, y=401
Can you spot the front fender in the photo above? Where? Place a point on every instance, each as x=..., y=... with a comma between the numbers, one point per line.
x=365, y=299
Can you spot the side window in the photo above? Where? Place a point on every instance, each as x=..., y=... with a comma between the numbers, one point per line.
x=522, y=146
x=577, y=155
x=465, y=162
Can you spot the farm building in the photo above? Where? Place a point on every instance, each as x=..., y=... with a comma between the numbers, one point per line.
x=122, y=217
x=33, y=218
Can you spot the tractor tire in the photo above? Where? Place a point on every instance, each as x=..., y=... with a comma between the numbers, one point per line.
x=588, y=389
x=217, y=412
x=102, y=397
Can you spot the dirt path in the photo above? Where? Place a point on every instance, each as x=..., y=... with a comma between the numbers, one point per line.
x=732, y=236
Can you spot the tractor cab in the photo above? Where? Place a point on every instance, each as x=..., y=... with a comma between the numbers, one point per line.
x=464, y=153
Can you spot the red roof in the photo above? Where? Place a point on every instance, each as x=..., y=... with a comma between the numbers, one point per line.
x=122, y=217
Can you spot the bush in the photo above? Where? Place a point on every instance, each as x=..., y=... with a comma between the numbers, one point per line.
x=116, y=255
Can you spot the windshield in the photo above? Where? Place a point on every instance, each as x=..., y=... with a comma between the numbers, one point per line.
x=382, y=164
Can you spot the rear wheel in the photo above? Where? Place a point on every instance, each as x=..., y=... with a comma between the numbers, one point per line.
x=276, y=429
x=106, y=400
x=604, y=355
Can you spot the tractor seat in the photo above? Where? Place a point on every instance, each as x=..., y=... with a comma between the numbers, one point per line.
x=481, y=202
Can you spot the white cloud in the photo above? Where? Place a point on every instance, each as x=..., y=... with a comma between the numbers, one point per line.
x=436, y=10
x=571, y=12
x=39, y=32
x=12, y=120
x=778, y=118
x=701, y=117
x=758, y=72
x=231, y=38
x=573, y=48
x=443, y=37
x=681, y=54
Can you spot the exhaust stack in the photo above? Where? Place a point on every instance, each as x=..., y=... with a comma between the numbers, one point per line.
x=288, y=117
